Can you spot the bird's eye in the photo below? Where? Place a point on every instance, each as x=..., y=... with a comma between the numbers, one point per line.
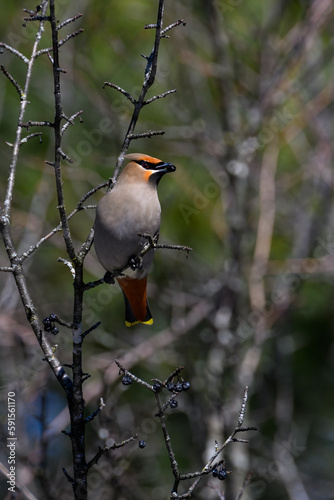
x=144, y=164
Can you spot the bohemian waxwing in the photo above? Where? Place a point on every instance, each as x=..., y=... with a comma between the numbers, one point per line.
x=131, y=208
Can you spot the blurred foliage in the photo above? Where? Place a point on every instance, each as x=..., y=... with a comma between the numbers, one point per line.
x=254, y=95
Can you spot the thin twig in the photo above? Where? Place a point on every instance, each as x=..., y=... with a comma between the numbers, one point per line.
x=58, y=228
x=30, y=123
x=65, y=156
x=160, y=96
x=133, y=377
x=37, y=18
x=173, y=25
x=96, y=412
x=104, y=450
x=6, y=269
x=15, y=52
x=91, y=329
x=60, y=43
x=150, y=73
x=243, y=408
x=70, y=121
x=122, y=91
x=26, y=139
x=71, y=35
x=13, y=81
x=68, y=264
x=148, y=134
x=68, y=21
x=237, y=429
x=171, y=455
x=175, y=373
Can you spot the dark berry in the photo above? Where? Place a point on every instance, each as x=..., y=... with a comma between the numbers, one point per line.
x=55, y=330
x=157, y=386
x=53, y=317
x=215, y=472
x=142, y=444
x=178, y=387
x=126, y=380
x=222, y=474
x=47, y=327
x=173, y=403
x=185, y=386
x=46, y=321
x=170, y=386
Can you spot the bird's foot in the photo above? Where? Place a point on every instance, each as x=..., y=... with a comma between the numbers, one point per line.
x=152, y=240
x=109, y=278
x=135, y=263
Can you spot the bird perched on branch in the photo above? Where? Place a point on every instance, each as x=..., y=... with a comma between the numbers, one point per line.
x=126, y=213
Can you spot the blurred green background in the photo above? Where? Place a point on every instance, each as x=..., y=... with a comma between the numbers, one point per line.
x=250, y=132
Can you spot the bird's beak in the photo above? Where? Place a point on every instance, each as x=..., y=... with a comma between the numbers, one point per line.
x=164, y=168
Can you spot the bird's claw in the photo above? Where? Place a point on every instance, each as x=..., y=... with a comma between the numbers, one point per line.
x=109, y=278
x=136, y=263
x=153, y=240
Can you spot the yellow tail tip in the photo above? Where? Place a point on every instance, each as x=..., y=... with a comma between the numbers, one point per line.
x=149, y=322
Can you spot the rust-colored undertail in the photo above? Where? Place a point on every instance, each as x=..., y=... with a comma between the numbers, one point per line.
x=136, y=305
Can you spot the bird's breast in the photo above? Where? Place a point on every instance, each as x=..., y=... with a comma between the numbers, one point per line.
x=121, y=215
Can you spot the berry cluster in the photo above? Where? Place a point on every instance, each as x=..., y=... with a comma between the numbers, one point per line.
x=220, y=472
x=178, y=387
x=173, y=403
x=49, y=324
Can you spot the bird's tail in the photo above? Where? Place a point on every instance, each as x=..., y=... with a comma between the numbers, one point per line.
x=136, y=305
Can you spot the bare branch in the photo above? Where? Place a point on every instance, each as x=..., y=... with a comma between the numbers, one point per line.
x=150, y=73
x=15, y=52
x=173, y=25
x=68, y=477
x=13, y=82
x=237, y=429
x=133, y=377
x=70, y=121
x=26, y=139
x=12, y=171
x=37, y=18
x=153, y=244
x=6, y=269
x=65, y=156
x=96, y=412
x=115, y=446
x=71, y=35
x=30, y=123
x=167, y=440
x=148, y=134
x=174, y=374
x=90, y=193
x=243, y=408
x=92, y=328
x=78, y=208
x=68, y=21
x=150, y=26
x=60, y=43
x=68, y=264
x=119, y=89
x=160, y=96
